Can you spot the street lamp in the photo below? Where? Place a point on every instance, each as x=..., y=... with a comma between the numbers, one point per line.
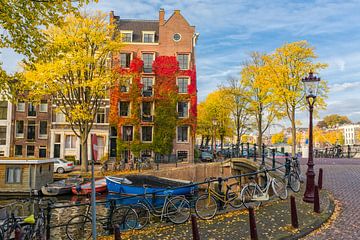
x=311, y=86
x=128, y=134
x=214, y=122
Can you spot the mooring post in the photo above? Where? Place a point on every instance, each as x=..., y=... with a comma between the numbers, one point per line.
x=117, y=232
x=195, y=230
x=320, y=178
x=252, y=221
x=294, y=217
x=316, y=200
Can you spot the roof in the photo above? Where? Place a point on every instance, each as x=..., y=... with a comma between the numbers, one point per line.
x=137, y=26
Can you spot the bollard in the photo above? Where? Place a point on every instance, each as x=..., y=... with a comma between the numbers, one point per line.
x=316, y=200
x=18, y=233
x=195, y=230
x=294, y=217
x=117, y=233
x=349, y=149
x=252, y=221
x=320, y=178
x=273, y=158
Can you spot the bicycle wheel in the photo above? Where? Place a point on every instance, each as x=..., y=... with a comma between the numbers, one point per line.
x=79, y=227
x=248, y=196
x=280, y=188
x=143, y=214
x=206, y=206
x=125, y=217
x=236, y=201
x=178, y=209
x=294, y=182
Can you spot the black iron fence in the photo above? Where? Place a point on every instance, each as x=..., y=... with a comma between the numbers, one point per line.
x=338, y=151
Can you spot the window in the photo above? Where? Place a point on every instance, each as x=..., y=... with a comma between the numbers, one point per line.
x=70, y=141
x=3, y=110
x=113, y=132
x=20, y=107
x=31, y=110
x=18, y=150
x=30, y=150
x=42, y=151
x=124, y=110
x=31, y=130
x=127, y=133
x=43, y=129
x=57, y=138
x=146, y=111
x=146, y=133
x=126, y=36
x=177, y=37
x=183, y=60
x=2, y=135
x=60, y=117
x=183, y=109
x=43, y=106
x=125, y=59
x=182, y=134
x=125, y=85
x=183, y=85
x=148, y=37
x=13, y=175
x=100, y=115
x=147, y=86
x=19, y=128
x=113, y=137
x=181, y=155
x=148, y=59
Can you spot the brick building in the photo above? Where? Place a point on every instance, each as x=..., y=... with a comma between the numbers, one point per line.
x=30, y=129
x=147, y=40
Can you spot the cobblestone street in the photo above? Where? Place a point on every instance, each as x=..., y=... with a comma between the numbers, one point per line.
x=342, y=178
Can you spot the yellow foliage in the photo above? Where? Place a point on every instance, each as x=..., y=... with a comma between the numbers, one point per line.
x=278, y=138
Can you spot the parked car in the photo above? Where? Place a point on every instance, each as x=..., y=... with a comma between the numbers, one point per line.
x=61, y=165
x=206, y=157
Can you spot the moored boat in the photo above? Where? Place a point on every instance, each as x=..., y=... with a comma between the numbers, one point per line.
x=61, y=187
x=85, y=189
x=136, y=185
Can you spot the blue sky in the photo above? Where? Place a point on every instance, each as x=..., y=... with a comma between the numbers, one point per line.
x=229, y=30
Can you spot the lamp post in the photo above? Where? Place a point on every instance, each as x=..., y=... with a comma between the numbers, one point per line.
x=311, y=86
x=214, y=122
x=128, y=134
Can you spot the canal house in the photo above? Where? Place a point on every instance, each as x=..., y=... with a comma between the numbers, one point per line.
x=24, y=176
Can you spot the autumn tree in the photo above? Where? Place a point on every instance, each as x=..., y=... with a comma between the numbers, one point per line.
x=278, y=138
x=333, y=120
x=73, y=69
x=259, y=93
x=204, y=125
x=238, y=106
x=286, y=67
x=328, y=138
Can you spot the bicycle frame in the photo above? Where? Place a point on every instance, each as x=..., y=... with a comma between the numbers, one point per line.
x=222, y=197
x=264, y=191
x=153, y=211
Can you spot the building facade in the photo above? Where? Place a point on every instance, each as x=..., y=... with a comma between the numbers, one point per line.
x=30, y=127
x=159, y=58
x=5, y=127
x=350, y=133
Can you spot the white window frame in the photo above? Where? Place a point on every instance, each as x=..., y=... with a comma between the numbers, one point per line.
x=152, y=134
x=42, y=105
x=104, y=114
x=152, y=109
x=177, y=83
x=154, y=56
x=125, y=32
x=188, y=109
x=14, y=178
x=60, y=113
x=177, y=154
x=43, y=136
x=22, y=109
x=148, y=32
x=19, y=135
x=131, y=58
x=27, y=150
x=127, y=87
x=129, y=110
x=42, y=147
x=71, y=142
x=188, y=64
x=188, y=134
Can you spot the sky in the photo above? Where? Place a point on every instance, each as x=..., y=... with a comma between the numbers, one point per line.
x=231, y=29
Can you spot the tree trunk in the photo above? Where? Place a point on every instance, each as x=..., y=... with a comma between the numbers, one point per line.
x=207, y=140
x=293, y=133
x=259, y=139
x=222, y=141
x=202, y=141
x=84, y=154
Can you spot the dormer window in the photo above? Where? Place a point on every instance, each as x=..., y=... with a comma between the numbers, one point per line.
x=148, y=37
x=126, y=36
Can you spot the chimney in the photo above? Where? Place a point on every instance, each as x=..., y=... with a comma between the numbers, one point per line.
x=177, y=11
x=162, y=16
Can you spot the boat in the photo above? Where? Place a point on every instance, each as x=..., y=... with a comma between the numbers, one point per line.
x=138, y=184
x=85, y=189
x=61, y=187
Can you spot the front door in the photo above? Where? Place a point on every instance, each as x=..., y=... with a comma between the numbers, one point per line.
x=56, y=150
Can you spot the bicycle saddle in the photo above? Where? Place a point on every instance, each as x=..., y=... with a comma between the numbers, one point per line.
x=30, y=219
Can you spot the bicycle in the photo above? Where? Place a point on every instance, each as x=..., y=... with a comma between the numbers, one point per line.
x=207, y=204
x=253, y=194
x=293, y=175
x=80, y=226
x=175, y=208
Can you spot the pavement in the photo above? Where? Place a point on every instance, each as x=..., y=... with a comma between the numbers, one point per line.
x=342, y=178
